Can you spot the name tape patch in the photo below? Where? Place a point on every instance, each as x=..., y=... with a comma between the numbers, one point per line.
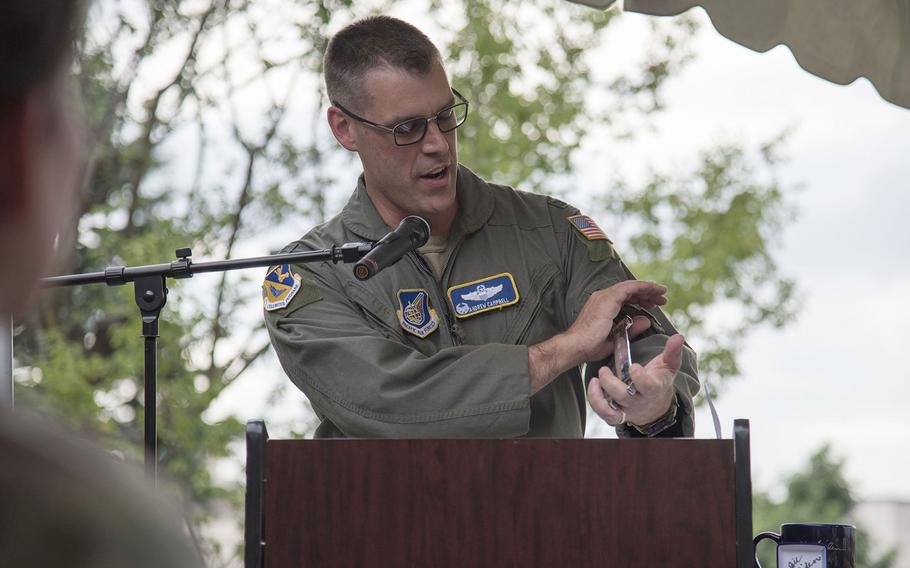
x=491, y=293
x=280, y=287
x=415, y=314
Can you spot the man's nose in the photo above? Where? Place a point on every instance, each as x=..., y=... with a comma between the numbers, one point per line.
x=434, y=140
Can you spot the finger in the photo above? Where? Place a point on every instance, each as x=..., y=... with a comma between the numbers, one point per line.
x=643, y=383
x=672, y=355
x=665, y=366
x=650, y=294
x=600, y=404
x=609, y=301
x=652, y=302
x=614, y=388
x=639, y=291
x=639, y=325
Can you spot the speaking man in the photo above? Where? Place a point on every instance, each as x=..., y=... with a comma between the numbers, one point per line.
x=483, y=331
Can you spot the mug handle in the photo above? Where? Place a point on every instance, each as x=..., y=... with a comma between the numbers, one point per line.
x=773, y=536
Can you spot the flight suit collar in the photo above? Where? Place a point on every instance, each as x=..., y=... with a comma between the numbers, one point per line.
x=475, y=202
x=360, y=216
x=475, y=205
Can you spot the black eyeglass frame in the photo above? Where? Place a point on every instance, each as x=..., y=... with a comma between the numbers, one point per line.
x=426, y=120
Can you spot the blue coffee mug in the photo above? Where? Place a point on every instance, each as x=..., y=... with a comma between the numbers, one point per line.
x=812, y=545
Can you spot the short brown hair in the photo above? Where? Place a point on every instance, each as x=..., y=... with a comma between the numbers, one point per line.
x=371, y=43
x=36, y=38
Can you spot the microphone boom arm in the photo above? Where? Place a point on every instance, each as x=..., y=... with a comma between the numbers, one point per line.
x=150, y=291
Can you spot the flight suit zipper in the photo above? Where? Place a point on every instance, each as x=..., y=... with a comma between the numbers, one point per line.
x=453, y=251
x=541, y=284
x=439, y=299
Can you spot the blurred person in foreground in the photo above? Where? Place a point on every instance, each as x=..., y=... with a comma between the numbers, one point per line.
x=63, y=502
x=483, y=331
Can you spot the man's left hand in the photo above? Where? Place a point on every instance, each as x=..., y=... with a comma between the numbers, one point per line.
x=653, y=391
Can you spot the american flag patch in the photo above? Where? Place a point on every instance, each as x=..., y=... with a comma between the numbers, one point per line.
x=587, y=227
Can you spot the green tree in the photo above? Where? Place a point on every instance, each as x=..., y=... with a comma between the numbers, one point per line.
x=216, y=80
x=709, y=236
x=818, y=494
x=206, y=129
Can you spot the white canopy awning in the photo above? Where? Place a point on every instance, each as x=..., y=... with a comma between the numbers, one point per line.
x=838, y=40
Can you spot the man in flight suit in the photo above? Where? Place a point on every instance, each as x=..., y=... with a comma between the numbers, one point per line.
x=483, y=331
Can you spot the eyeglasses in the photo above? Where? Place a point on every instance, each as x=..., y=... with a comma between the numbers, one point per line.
x=413, y=130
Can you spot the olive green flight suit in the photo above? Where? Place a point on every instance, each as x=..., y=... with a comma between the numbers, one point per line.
x=341, y=341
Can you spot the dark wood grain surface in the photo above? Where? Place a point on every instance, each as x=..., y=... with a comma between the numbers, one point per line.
x=428, y=503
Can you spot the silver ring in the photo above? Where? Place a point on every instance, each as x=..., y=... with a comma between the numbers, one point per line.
x=631, y=389
x=623, y=419
x=612, y=404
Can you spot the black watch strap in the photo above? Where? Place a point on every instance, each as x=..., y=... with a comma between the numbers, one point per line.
x=666, y=421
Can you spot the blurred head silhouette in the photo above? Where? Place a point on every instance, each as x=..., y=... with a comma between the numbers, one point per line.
x=63, y=502
x=40, y=147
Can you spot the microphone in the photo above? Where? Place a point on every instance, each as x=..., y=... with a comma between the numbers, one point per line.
x=412, y=233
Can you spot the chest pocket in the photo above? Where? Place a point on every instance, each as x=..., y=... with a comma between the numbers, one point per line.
x=382, y=318
x=377, y=313
x=539, y=316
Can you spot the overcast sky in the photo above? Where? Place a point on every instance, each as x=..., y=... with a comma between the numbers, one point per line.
x=839, y=373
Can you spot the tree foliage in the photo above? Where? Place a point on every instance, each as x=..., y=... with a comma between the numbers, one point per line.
x=206, y=130
x=187, y=104
x=709, y=236
x=818, y=494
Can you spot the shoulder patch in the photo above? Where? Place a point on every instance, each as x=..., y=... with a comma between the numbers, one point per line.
x=415, y=315
x=490, y=293
x=599, y=246
x=281, y=285
x=587, y=228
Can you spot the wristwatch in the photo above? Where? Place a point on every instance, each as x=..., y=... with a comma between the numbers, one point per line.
x=661, y=424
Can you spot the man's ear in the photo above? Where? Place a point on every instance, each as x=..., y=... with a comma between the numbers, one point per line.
x=15, y=121
x=342, y=128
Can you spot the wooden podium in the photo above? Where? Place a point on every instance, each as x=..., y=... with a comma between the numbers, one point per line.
x=545, y=502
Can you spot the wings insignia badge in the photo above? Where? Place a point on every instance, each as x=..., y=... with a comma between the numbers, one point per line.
x=490, y=293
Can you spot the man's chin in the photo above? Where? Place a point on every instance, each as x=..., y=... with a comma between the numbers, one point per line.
x=435, y=206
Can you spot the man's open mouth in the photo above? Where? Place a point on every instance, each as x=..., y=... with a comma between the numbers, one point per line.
x=436, y=174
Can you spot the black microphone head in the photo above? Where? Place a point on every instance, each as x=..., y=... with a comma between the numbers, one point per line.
x=419, y=229
x=412, y=233
x=362, y=271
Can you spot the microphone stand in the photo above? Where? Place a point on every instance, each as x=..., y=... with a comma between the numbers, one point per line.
x=6, y=361
x=150, y=292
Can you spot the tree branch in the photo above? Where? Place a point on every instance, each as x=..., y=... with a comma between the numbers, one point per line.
x=152, y=120
x=248, y=359
x=253, y=152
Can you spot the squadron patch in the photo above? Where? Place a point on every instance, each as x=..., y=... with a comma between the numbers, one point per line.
x=588, y=228
x=415, y=314
x=279, y=287
x=491, y=293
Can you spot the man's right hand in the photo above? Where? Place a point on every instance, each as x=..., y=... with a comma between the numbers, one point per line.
x=587, y=337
